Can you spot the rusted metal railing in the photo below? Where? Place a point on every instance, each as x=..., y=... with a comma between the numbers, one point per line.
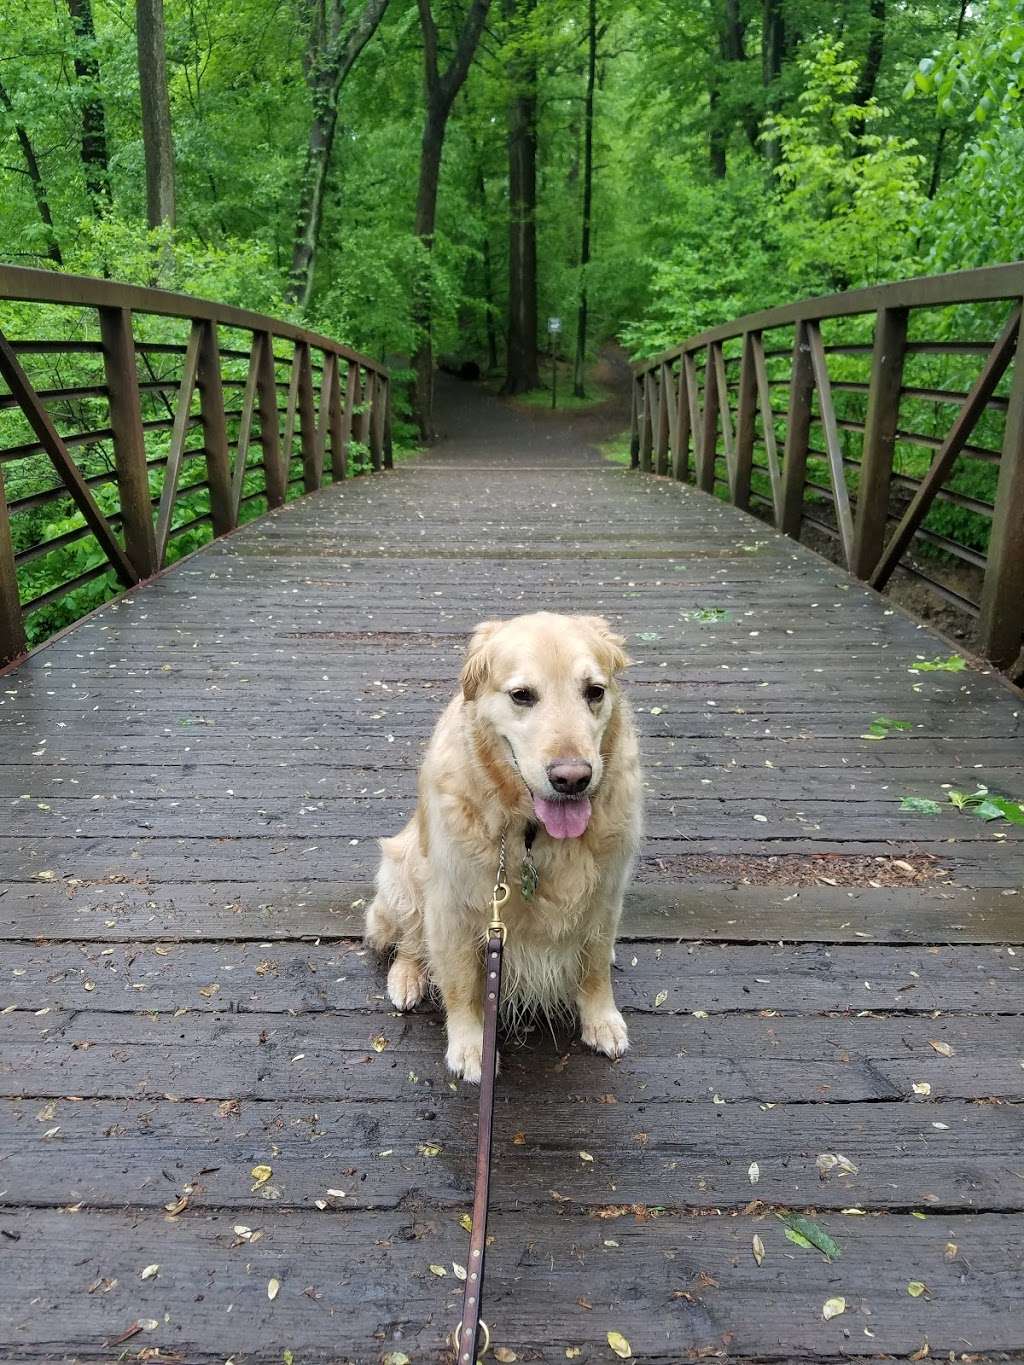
x=868, y=417
x=155, y=427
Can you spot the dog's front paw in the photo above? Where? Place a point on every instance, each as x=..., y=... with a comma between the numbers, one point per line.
x=606, y=1032
x=465, y=1050
x=407, y=982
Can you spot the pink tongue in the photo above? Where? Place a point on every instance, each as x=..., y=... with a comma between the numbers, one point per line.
x=563, y=819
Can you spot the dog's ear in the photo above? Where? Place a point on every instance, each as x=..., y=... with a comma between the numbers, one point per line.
x=478, y=659
x=610, y=652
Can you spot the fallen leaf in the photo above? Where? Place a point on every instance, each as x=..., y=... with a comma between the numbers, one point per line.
x=379, y=1043
x=832, y=1308
x=458, y=1270
x=916, y=1288
x=660, y=998
x=438, y=1270
x=950, y=1250
x=519, y=1140
x=620, y=1345
x=827, y=1162
x=273, y=1289
x=466, y=1221
x=757, y=1246
x=150, y=1272
x=585, y=1156
x=954, y=664
x=396, y=1358
x=261, y=1174
x=943, y=1049
x=571, y=1352
x=754, y=1172
x=922, y=1088
x=504, y=1354
x=429, y=1149
x=812, y=1234
x=922, y=1352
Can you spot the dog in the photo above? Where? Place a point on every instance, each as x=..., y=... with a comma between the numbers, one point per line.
x=538, y=744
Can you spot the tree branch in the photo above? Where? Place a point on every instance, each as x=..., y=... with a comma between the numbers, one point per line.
x=36, y=177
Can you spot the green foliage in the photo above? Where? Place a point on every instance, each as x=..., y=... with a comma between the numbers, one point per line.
x=849, y=200
x=721, y=187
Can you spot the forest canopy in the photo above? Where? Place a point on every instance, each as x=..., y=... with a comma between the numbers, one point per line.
x=421, y=179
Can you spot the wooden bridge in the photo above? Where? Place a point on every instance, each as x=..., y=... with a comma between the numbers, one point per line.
x=217, y=1140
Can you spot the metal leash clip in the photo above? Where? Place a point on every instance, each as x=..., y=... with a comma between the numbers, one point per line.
x=499, y=896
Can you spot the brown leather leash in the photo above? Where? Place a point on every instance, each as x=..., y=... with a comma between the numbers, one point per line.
x=464, y=1337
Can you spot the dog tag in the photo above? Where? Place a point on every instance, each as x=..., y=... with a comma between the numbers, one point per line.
x=529, y=877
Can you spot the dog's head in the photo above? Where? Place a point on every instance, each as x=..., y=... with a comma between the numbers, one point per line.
x=545, y=686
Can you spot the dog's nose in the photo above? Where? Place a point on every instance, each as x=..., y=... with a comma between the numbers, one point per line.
x=570, y=776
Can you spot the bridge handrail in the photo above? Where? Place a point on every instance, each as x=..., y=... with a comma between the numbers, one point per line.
x=712, y=395
x=301, y=394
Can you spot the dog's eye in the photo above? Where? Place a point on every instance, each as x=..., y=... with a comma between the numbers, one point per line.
x=523, y=696
x=594, y=693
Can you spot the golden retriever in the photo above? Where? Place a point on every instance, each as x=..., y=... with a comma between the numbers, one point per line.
x=539, y=743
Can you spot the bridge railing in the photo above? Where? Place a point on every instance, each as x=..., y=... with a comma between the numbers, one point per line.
x=133, y=422
x=888, y=420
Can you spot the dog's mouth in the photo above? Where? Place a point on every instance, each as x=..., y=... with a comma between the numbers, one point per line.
x=567, y=818
x=563, y=817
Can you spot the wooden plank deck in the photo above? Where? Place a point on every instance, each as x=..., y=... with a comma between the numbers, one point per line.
x=191, y=785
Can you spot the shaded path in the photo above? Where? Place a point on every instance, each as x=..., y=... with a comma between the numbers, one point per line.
x=191, y=784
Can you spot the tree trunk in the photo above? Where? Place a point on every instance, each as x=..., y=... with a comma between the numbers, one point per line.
x=940, y=141
x=441, y=89
x=36, y=180
x=872, y=63
x=716, y=135
x=431, y=147
x=579, y=370
x=331, y=55
x=488, y=273
x=773, y=46
x=522, y=371
x=156, y=113
x=732, y=31
x=95, y=160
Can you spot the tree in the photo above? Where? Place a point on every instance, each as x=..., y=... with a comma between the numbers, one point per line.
x=441, y=89
x=578, y=385
x=335, y=43
x=865, y=90
x=156, y=113
x=95, y=160
x=522, y=371
x=35, y=176
x=773, y=47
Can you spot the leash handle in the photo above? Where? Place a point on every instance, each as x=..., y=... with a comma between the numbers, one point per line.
x=465, y=1336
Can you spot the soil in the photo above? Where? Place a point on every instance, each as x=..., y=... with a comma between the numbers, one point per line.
x=797, y=869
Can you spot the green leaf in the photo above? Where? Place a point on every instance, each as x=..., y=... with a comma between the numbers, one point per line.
x=799, y=1239
x=920, y=805
x=954, y=664
x=882, y=726
x=987, y=810
x=1011, y=810
x=813, y=1233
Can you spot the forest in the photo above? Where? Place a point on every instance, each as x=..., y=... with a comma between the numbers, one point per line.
x=431, y=181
